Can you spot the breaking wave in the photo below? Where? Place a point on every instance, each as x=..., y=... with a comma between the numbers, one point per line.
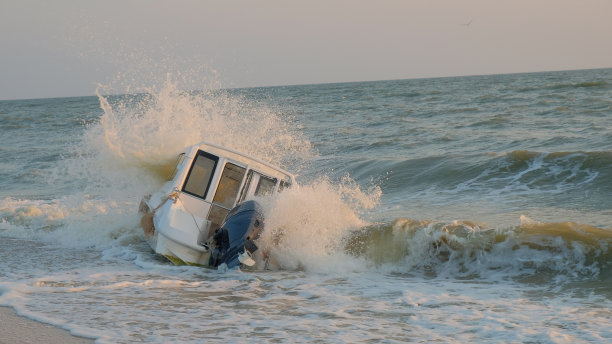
x=306, y=224
x=531, y=252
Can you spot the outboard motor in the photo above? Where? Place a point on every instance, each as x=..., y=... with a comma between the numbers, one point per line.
x=234, y=240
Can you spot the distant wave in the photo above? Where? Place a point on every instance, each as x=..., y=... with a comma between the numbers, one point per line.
x=560, y=86
x=596, y=159
x=494, y=175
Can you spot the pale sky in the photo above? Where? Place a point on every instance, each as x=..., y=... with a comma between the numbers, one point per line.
x=65, y=48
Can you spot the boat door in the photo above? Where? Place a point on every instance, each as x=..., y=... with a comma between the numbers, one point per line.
x=226, y=194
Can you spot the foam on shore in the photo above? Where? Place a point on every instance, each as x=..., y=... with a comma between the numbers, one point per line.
x=16, y=329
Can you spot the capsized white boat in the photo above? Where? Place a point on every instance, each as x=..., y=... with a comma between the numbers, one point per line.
x=203, y=215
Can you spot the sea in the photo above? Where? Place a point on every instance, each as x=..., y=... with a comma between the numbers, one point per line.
x=444, y=210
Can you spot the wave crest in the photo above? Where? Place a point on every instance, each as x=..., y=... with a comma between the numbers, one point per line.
x=466, y=249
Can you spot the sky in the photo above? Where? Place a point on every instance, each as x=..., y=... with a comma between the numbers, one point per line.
x=65, y=48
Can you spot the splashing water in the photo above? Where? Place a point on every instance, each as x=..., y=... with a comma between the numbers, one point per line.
x=307, y=225
x=131, y=149
x=142, y=134
x=147, y=131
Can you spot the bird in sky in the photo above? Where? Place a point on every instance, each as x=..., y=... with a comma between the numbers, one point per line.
x=468, y=23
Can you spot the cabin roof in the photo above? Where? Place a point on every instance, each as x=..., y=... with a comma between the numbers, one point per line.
x=241, y=157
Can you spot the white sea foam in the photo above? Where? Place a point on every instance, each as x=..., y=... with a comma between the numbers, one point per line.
x=306, y=226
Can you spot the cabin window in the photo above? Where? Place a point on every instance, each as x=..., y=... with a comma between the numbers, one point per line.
x=229, y=185
x=200, y=174
x=226, y=194
x=257, y=184
x=283, y=185
x=265, y=186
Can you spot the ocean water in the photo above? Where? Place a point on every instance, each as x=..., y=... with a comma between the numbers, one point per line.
x=467, y=209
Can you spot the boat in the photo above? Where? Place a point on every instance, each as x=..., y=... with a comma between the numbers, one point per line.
x=205, y=214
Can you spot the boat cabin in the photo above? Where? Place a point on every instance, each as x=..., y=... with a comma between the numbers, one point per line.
x=212, y=180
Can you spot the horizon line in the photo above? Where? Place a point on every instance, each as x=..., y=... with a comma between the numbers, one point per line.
x=321, y=83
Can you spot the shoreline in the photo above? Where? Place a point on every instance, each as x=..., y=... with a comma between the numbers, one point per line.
x=17, y=329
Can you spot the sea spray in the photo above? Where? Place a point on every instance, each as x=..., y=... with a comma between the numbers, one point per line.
x=152, y=128
x=131, y=149
x=140, y=136
x=306, y=226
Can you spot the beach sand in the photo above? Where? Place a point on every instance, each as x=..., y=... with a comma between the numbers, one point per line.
x=19, y=330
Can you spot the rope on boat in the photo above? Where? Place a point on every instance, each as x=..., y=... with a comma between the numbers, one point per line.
x=175, y=196
x=147, y=219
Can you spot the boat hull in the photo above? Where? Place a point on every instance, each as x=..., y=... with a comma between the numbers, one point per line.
x=226, y=247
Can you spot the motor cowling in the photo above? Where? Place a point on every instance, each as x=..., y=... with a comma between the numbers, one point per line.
x=237, y=234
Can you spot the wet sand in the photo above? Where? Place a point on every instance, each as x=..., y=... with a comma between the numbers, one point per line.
x=15, y=329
